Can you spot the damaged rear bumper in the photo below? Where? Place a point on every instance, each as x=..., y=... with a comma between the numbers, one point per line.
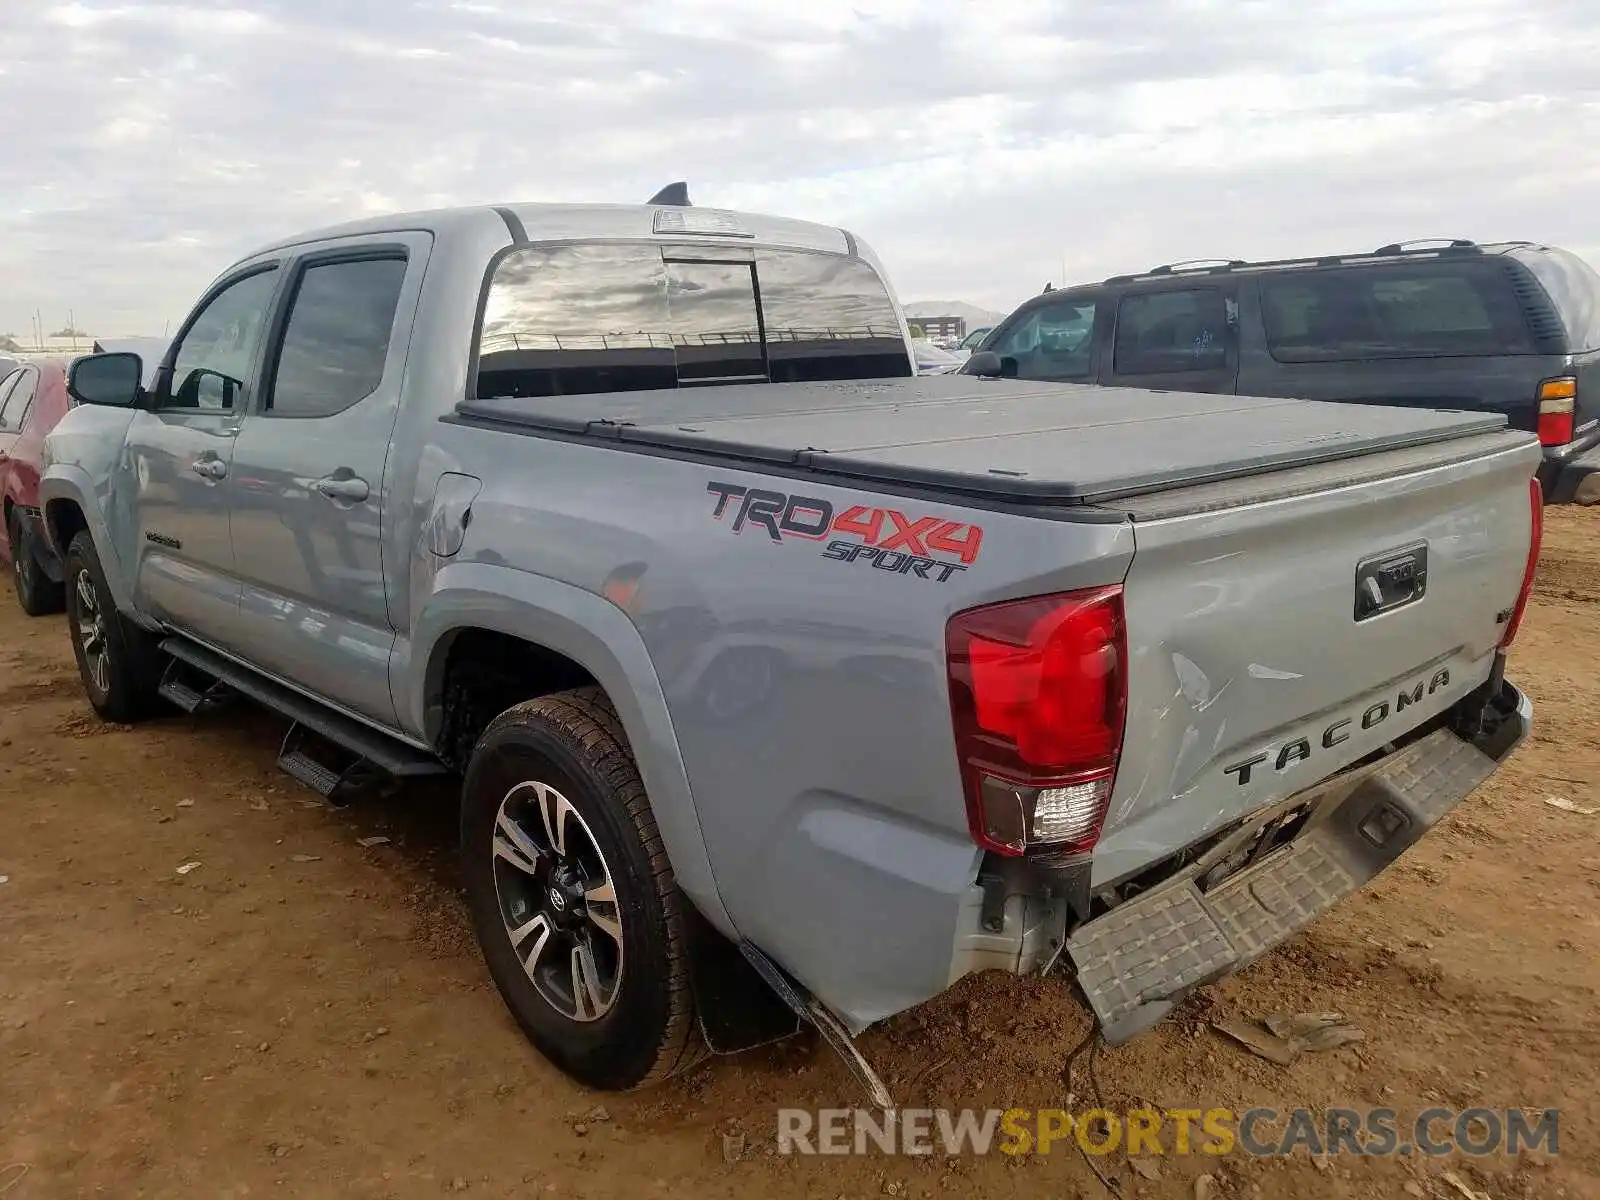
x=1138, y=960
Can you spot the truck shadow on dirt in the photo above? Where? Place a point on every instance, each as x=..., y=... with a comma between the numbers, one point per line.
x=420, y=819
x=410, y=830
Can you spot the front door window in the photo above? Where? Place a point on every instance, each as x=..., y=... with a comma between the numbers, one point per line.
x=218, y=350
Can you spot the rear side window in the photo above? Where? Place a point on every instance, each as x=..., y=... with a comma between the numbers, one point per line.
x=828, y=317
x=1053, y=341
x=1574, y=288
x=337, y=338
x=1162, y=332
x=571, y=320
x=1420, y=311
x=24, y=409
x=7, y=383
x=14, y=407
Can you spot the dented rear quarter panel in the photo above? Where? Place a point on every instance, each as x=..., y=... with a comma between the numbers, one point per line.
x=806, y=685
x=807, y=693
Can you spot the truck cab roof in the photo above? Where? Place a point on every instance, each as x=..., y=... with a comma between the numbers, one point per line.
x=541, y=222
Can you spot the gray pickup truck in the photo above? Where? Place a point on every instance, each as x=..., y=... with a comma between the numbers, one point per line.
x=787, y=686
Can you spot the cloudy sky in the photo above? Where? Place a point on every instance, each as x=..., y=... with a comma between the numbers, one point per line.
x=982, y=148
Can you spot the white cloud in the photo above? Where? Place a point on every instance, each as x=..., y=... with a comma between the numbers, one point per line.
x=981, y=147
x=175, y=18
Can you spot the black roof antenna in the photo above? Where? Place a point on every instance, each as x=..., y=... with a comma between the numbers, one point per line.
x=675, y=195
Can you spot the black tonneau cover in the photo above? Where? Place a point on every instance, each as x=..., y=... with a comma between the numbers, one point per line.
x=1000, y=439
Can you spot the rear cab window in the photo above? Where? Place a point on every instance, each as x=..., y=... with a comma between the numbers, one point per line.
x=1415, y=310
x=597, y=317
x=713, y=323
x=827, y=317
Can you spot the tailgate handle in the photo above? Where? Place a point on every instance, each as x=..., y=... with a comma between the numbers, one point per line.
x=1391, y=580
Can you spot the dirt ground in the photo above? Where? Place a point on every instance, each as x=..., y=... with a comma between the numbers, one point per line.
x=302, y=1016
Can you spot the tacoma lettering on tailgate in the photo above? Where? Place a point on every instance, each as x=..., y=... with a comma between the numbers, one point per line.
x=1299, y=749
x=927, y=547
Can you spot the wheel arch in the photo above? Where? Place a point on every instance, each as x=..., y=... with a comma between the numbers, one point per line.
x=66, y=498
x=563, y=624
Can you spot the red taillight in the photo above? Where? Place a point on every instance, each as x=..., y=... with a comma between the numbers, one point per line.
x=1038, y=689
x=1558, y=404
x=1535, y=539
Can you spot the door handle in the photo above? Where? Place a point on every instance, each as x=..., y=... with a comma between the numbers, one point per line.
x=209, y=468
x=348, y=487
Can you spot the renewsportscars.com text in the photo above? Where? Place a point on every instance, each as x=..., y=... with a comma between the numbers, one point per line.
x=1257, y=1132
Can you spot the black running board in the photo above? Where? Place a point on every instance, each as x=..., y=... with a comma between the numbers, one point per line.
x=194, y=692
x=333, y=771
x=388, y=754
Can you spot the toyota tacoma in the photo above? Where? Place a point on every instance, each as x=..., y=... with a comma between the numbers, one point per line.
x=786, y=685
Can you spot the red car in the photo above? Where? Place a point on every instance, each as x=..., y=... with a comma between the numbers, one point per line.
x=33, y=397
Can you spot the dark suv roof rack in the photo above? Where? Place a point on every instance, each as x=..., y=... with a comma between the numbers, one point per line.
x=1422, y=248
x=1195, y=264
x=1445, y=243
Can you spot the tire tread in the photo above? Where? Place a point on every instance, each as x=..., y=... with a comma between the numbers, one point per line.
x=587, y=717
x=137, y=696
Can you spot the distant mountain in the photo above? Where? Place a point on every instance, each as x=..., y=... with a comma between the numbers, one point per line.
x=971, y=313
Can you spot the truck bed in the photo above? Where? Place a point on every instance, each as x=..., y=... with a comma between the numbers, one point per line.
x=999, y=440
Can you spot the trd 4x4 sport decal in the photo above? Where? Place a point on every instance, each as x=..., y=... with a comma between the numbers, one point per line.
x=926, y=547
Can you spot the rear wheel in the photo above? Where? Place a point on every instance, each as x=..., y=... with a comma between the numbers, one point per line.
x=120, y=664
x=37, y=593
x=572, y=896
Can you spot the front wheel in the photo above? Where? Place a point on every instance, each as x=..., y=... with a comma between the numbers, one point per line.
x=120, y=664
x=572, y=896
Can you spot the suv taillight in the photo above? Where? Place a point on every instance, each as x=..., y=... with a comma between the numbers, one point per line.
x=1038, y=691
x=1558, y=403
x=1535, y=540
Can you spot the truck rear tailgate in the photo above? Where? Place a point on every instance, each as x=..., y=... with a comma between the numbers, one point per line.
x=1282, y=629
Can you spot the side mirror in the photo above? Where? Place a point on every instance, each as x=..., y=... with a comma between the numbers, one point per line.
x=983, y=362
x=205, y=388
x=109, y=379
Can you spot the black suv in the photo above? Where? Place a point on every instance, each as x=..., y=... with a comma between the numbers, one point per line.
x=1513, y=327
